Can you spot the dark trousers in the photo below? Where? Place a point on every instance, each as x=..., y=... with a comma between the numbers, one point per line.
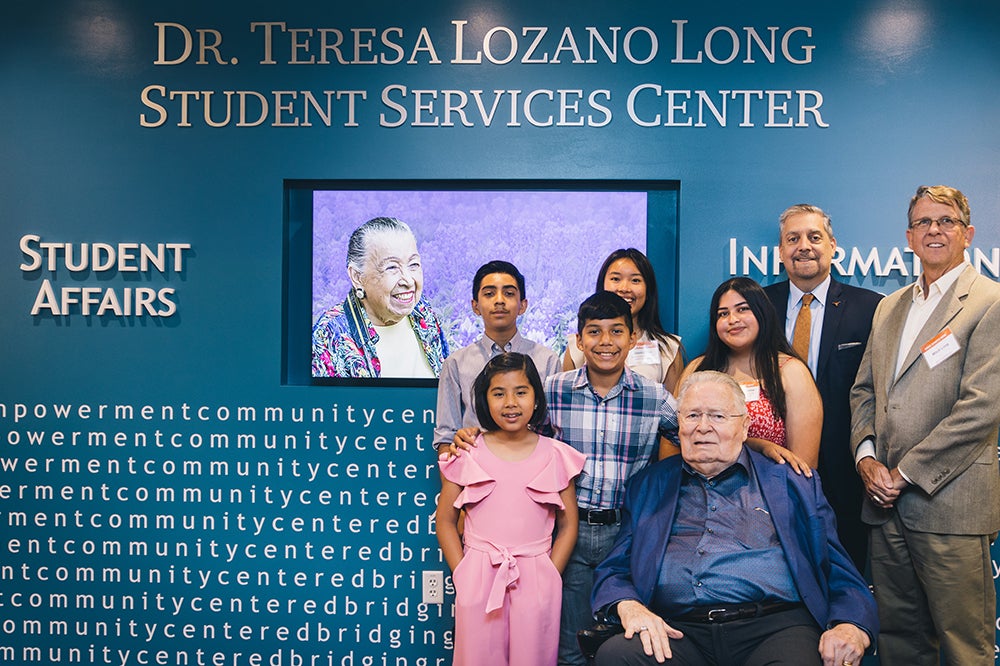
x=789, y=638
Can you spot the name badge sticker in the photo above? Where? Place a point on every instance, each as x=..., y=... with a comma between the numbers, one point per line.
x=940, y=347
x=645, y=352
x=751, y=391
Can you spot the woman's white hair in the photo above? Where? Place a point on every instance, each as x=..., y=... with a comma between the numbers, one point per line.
x=357, y=246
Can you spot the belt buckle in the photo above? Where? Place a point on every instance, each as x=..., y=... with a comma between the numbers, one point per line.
x=603, y=513
x=716, y=612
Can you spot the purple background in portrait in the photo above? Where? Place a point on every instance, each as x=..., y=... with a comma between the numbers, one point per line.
x=558, y=240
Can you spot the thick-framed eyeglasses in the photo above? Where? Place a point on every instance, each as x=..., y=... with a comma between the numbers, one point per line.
x=714, y=418
x=944, y=223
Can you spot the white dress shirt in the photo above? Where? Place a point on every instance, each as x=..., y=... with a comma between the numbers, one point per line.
x=921, y=307
x=816, y=310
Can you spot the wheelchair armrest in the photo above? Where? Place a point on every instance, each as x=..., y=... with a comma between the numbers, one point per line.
x=593, y=637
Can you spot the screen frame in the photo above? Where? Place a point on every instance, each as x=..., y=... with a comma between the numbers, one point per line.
x=662, y=237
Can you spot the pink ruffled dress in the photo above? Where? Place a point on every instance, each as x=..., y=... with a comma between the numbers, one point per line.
x=507, y=591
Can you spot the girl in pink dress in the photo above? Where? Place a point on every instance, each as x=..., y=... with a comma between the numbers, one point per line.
x=515, y=487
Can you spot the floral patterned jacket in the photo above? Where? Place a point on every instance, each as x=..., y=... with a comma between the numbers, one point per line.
x=343, y=340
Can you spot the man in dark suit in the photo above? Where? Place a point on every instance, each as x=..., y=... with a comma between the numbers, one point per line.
x=727, y=557
x=926, y=410
x=832, y=341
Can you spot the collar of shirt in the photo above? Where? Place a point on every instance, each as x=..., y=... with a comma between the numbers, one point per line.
x=922, y=306
x=626, y=381
x=795, y=295
x=742, y=462
x=817, y=311
x=492, y=348
x=939, y=286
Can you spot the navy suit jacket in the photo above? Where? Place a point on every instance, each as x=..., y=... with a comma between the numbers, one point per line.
x=830, y=586
x=847, y=324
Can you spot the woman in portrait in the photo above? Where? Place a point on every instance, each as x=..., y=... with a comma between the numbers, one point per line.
x=384, y=328
x=747, y=342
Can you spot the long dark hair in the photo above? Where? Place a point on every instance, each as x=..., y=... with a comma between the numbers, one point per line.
x=769, y=343
x=507, y=362
x=648, y=316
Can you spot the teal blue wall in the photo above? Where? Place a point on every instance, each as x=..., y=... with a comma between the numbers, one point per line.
x=909, y=97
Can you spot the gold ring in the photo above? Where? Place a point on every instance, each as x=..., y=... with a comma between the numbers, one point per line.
x=642, y=629
x=848, y=663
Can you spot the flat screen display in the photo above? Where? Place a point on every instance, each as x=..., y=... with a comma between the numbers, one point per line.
x=557, y=233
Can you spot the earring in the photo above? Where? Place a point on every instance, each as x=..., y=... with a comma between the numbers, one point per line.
x=360, y=293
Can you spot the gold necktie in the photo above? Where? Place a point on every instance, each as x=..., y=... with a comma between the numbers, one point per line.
x=803, y=322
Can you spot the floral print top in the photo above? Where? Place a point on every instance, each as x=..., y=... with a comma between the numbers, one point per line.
x=764, y=422
x=343, y=340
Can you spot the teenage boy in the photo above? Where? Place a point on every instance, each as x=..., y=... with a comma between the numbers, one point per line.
x=498, y=296
x=617, y=418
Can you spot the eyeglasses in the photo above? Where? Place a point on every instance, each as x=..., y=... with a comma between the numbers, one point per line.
x=944, y=223
x=715, y=418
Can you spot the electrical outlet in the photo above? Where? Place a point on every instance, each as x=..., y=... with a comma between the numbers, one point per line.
x=433, y=587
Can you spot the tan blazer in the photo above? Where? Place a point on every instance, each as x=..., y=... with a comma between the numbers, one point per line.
x=939, y=425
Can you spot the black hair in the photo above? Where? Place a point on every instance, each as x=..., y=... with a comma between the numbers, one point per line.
x=648, y=317
x=603, y=305
x=769, y=343
x=501, y=363
x=497, y=266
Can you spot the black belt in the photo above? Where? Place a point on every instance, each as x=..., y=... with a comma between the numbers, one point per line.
x=716, y=614
x=601, y=516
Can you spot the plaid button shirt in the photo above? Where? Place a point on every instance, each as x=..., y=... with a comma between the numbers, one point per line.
x=619, y=433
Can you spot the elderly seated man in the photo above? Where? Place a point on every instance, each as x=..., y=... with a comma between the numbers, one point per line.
x=726, y=557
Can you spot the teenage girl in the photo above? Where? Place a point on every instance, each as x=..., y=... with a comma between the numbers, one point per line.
x=657, y=355
x=515, y=486
x=746, y=340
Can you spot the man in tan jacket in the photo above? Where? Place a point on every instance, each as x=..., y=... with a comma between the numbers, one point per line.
x=925, y=411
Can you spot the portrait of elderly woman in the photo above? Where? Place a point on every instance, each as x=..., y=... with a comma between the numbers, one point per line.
x=384, y=328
